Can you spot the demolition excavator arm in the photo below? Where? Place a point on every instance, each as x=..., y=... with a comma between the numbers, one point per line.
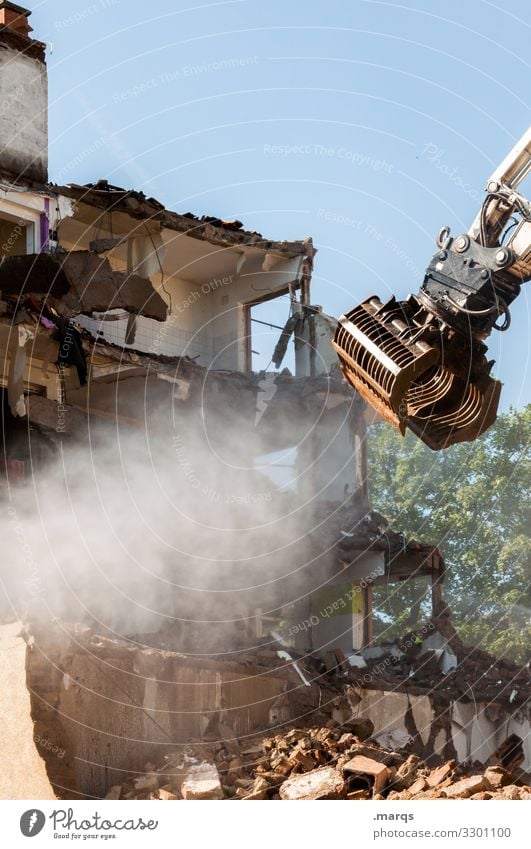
x=421, y=363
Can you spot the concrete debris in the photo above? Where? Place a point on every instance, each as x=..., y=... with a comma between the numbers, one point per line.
x=202, y=782
x=416, y=788
x=437, y=776
x=77, y=282
x=406, y=773
x=324, y=783
x=166, y=795
x=326, y=762
x=465, y=788
x=497, y=777
x=451, y=670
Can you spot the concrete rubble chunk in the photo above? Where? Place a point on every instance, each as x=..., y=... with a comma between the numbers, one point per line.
x=281, y=764
x=432, y=793
x=437, y=776
x=465, y=788
x=395, y=794
x=496, y=777
x=361, y=765
x=301, y=760
x=323, y=783
x=202, y=782
x=418, y=786
x=511, y=792
x=406, y=773
x=166, y=795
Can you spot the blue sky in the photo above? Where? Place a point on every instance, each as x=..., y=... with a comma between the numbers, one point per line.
x=365, y=124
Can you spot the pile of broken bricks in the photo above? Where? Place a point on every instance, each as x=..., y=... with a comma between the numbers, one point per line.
x=329, y=762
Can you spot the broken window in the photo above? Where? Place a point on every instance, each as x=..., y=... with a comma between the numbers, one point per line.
x=267, y=321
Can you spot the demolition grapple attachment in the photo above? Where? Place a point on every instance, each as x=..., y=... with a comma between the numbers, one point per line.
x=421, y=363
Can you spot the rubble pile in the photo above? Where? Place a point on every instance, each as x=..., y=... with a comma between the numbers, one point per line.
x=453, y=670
x=327, y=762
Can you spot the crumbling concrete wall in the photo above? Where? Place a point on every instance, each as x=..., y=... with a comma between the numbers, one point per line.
x=23, y=774
x=111, y=706
x=24, y=107
x=462, y=730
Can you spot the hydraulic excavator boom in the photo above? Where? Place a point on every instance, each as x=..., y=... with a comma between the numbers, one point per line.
x=421, y=363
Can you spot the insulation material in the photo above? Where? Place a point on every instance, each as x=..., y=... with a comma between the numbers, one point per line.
x=17, y=370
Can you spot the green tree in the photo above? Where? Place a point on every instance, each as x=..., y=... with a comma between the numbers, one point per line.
x=473, y=501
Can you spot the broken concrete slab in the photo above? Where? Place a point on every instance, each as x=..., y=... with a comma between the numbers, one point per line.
x=82, y=282
x=202, y=782
x=323, y=783
x=465, y=788
x=95, y=287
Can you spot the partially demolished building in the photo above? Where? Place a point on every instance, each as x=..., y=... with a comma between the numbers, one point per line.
x=120, y=316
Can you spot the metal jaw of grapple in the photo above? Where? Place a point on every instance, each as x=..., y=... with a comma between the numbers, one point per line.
x=414, y=376
x=421, y=363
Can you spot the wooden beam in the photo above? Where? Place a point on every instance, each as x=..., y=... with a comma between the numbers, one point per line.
x=368, y=625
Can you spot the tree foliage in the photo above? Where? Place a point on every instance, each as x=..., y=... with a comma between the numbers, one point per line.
x=473, y=501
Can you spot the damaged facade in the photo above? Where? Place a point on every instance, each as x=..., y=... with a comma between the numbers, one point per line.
x=116, y=312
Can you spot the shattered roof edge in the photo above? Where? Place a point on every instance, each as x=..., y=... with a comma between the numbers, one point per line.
x=199, y=228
